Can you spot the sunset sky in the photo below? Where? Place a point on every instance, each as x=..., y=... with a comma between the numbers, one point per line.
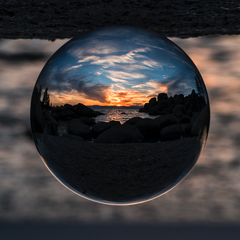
x=117, y=66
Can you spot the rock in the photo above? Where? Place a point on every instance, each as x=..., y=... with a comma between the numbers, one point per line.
x=86, y=112
x=179, y=99
x=200, y=122
x=149, y=128
x=146, y=107
x=193, y=120
x=189, y=113
x=179, y=114
x=47, y=115
x=180, y=107
x=154, y=110
x=88, y=121
x=152, y=102
x=163, y=104
x=56, y=109
x=100, y=127
x=66, y=113
x=132, y=121
x=185, y=119
x=78, y=106
x=142, y=109
x=78, y=128
x=167, y=120
x=74, y=137
x=170, y=133
x=50, y=123
x=67, y=107
x=125, y=133
x=165, y=111
x=162, y=96
x=185, y=130
x=171, y=107
x=55, y=115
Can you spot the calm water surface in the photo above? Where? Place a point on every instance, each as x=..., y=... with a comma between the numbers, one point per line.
x=121, y=115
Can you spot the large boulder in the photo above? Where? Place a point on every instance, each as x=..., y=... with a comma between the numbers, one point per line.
x=86, y=112
x=66, y=113
x=162, y=105
x=100, y=127
x=200, y=122
x=78, y=128
x=142, y=109
x=162, y=96
x=88, y=120
x=50, y=123
x=180, y=107
x=152, y=102
x=133, y=120
x=171, y=133
x=167, y=120
x=125, y=133
x=185, y=119
x=165, y=111
x=146, y=107
x=179, y=99
x=47, y=115
x=67, y=107
x=154, y=110
x=149, y=128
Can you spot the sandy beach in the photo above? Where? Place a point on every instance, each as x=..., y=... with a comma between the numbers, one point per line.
x=125, y=173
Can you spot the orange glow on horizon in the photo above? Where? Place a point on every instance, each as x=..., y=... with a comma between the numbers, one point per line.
x=114, y=95
x=112, y=98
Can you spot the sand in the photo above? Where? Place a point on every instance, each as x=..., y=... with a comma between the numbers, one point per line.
x=121, y=173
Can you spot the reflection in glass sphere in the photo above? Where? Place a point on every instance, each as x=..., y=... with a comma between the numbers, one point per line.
x=120, y=115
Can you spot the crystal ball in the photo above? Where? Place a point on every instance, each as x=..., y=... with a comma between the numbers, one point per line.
x=120, y=115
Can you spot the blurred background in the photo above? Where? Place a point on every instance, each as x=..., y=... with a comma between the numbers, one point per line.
x=205, y=205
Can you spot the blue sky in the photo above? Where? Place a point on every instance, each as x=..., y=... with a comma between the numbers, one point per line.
x=117, y=66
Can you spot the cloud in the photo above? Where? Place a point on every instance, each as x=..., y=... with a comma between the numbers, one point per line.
x=131, y=57
x=66, y=82
x=93, y=47
x=121, y=76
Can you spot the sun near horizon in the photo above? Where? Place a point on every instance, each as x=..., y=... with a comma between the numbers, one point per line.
x=112, y=98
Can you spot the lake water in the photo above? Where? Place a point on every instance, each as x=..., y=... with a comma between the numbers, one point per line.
x=122, y=115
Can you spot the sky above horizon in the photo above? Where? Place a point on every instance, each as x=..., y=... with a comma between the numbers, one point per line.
x=117, y=67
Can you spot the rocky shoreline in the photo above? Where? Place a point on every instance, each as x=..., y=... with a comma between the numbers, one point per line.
x=122, y=163
x=176, y=117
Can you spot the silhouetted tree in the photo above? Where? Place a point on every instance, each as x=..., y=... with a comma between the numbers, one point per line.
x=199, y=86
x=46, y=98
x=40, y=92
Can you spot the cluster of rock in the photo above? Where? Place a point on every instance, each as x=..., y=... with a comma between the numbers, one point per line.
x=68, y=112
x=167, y=127
x=186, y=119
x=46, y=120
x=164, y=105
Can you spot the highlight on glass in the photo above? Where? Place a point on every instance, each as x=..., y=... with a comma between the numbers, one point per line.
x=120, y=115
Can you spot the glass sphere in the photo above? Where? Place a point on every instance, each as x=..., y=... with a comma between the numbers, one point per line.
x=120, y=115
